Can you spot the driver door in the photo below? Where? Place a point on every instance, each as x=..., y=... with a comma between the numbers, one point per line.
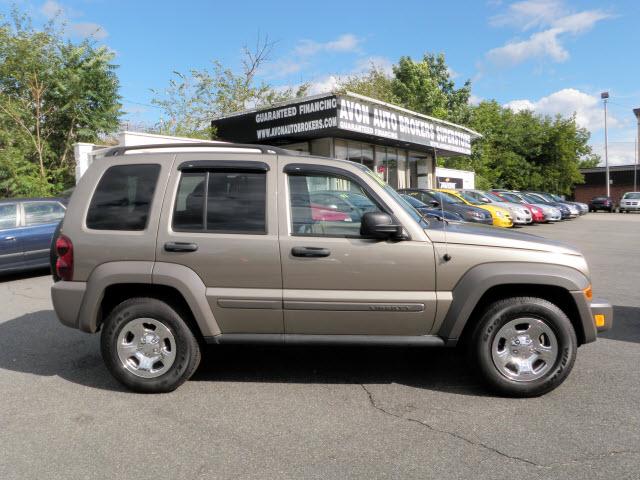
x=336, y=282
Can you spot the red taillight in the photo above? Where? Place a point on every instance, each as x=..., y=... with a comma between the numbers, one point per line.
x=64, y=263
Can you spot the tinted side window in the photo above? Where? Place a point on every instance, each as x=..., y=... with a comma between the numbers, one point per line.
x=222, y=202
x=327, y=205
x=123, y=198
x=8, y=216
x=40, y=213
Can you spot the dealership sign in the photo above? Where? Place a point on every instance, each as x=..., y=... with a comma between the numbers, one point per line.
x=333, y=115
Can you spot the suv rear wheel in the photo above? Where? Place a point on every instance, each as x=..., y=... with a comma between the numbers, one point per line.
x=524, y=346
x=148, y=347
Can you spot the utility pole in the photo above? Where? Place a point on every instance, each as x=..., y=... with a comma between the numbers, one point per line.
x=637, y=155
x=604, y=96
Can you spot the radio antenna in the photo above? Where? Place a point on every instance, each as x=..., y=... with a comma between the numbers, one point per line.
x=446, y=257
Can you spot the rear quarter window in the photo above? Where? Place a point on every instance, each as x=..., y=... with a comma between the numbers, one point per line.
x=123, y=197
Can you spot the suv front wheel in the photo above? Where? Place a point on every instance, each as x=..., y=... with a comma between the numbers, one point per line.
x=148, y=347
x=524, y=346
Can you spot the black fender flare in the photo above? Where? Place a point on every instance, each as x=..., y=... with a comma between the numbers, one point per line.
x=479, y=279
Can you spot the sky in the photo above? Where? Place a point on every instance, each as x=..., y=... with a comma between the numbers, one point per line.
x=551, y=56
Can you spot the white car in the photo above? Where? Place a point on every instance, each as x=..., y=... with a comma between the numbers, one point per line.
x=630, y=202
x=520, y=214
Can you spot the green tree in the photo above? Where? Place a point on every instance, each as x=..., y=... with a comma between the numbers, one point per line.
x=423, y=86
x=525, y=151
x=374, y=83
x=192, y=100
x=53, y=93
x=426, y=86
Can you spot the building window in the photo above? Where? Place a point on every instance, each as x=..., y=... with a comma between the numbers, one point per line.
x=341, y=149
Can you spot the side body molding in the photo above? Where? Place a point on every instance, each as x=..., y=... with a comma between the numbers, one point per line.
x=478, y=280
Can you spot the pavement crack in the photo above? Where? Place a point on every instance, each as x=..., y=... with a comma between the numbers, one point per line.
x=377, y=406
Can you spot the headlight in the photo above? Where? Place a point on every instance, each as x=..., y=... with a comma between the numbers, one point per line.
x=499, y=214
x=475, y=214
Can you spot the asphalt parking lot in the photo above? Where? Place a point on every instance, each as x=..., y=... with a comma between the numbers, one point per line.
x=324, y=412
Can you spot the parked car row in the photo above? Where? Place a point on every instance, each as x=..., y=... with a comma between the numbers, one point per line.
x=500, y=208
x=629, y=202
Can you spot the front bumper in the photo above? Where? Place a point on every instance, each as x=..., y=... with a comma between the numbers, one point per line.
x=521, y=219
x=630, y=206
x=504, y=222
x=602, y=313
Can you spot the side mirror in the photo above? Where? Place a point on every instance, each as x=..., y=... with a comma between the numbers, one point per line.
x=379, y=225
x=434, y=203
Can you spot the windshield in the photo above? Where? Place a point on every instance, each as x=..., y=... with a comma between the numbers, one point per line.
x=632, y=196
x=471, y=198
x=531, y=198
x=414, y=202
x=493, y=197
x=557, y=198
x=445, y=197
x=511, y=197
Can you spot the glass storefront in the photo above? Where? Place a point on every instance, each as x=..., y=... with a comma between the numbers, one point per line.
x=399, y=167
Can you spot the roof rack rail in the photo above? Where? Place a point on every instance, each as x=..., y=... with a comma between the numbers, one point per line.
x=116, y=151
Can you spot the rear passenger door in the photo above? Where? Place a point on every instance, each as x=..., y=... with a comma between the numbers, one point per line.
x=40, y=221
x=220, y=220
x=10, y=251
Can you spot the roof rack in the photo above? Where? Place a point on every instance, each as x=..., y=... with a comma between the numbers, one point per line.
x=116, y=151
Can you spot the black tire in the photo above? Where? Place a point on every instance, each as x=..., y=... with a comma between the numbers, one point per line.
x=187, y=350
x=499, y=314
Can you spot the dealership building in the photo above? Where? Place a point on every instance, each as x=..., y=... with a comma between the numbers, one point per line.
x=622, y=179
x=400, y=145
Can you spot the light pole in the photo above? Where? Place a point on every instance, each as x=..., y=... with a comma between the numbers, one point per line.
x=604, y=96
x=635, y=164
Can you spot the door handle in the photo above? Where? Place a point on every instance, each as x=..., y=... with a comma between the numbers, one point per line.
x=310, y=252
x=9, y=238
x=180, y=247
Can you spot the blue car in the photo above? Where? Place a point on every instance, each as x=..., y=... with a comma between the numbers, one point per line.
x=26, y=229
x=438, y=213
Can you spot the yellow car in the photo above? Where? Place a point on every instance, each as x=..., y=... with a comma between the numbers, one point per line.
x=501, y=216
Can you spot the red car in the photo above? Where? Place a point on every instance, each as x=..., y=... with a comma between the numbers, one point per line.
x=320, y=213
x=537, y=215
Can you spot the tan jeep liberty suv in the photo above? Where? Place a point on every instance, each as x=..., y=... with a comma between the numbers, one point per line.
x=166, y=248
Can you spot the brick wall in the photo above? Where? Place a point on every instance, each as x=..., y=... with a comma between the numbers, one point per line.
x=584, y=193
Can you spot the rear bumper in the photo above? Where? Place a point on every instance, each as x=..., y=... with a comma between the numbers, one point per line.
x=67, y=299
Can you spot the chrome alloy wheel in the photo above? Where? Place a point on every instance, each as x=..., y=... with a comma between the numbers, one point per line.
x=146, y=347
x=524, y=349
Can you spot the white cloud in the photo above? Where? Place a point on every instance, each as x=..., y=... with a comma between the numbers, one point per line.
x=529, y=14
x=556, y=23
x=324, y=85
x=363, y=65
x=475, y=99
x=344, y=43
x=541, y=44
x=89, y=29
x=587, y=108
x=619, y=153
x=52, y=9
